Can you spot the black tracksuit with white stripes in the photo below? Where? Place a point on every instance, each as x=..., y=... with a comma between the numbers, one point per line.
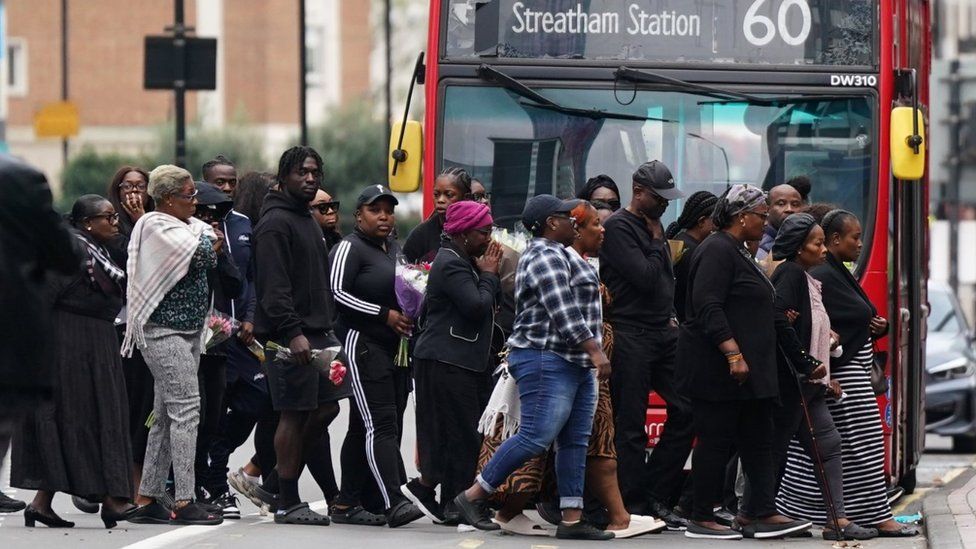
x=362, y=275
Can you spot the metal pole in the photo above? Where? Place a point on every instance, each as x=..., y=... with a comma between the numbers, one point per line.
x=179, y=40
x=955, y=170
x=64, y=73
x=388, y=35
x=302, y=75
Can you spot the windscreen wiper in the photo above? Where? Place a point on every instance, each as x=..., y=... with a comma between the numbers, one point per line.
x=724, y=96
x=539, y=101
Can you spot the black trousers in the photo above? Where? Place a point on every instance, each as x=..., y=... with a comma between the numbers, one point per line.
x=244, y=406
x=450, y=401
x=212, y=376
x=747, y=424
x=372, y=445
x=644, y=359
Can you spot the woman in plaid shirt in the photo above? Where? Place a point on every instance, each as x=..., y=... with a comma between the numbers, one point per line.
x=554, y=344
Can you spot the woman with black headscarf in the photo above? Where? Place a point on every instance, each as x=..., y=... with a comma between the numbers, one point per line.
x=601, y=188
x=805, y=345
x=78, y=443
x=857, y=323
x=727, y=347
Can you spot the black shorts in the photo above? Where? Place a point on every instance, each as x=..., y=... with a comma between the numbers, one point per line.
x=300, y=388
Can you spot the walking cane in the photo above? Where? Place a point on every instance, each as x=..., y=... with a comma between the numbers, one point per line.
x=817, y=457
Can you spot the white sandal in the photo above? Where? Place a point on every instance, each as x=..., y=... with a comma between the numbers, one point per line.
x=640, y=525
x=523, y=526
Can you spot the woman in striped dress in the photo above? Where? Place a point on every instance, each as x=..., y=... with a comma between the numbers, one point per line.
x=856, y=416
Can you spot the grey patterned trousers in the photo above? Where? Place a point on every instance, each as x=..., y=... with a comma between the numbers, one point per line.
x=173, y=357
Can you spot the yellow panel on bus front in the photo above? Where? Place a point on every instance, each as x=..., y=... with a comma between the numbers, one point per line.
x=407, y=177
x=906, y=164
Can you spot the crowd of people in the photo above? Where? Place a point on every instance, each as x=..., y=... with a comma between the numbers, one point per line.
x=531, y=366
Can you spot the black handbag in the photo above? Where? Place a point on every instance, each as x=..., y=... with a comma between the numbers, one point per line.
x=879, y=381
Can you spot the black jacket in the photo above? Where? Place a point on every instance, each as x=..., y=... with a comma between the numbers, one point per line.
x=681, y=268
x=291, y=272
x=459, y=311
x=636, y=268
x=424, y=240
x=728, y=297
x=793, y=293
x=363, y=285
x=848, y=306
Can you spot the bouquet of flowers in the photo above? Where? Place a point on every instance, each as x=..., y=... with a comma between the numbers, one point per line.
x=516, y=240
x=410, y=284
x=218, y=329
x=323, y=359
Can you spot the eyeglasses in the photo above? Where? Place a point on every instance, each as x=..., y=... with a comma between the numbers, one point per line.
x=481, y=197
x=571, y=219
x=126, y=187
x=111, y=218
x=190, y=196
x=614, y=204
x=762, y=215
x=326, y=207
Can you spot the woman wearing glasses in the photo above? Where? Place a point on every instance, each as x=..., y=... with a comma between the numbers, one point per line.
x=170, y=252
x=601, y=188
x=727, y=353
x=78, y=442
x=325, y=211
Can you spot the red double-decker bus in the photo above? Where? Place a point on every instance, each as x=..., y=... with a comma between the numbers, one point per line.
x=537, y=96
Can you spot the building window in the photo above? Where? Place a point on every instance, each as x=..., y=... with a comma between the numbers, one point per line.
x=16, y=59
x=314, y=55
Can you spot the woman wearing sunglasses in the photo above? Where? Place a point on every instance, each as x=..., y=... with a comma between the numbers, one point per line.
x=603, y=189
x=325, y=211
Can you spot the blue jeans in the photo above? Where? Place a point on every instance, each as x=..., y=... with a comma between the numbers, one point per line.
x=558, y=400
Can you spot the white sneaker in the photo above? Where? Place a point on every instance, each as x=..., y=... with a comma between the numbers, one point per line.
x=244, y=486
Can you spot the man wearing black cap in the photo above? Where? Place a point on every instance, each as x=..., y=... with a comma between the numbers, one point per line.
x=635, y=265
x=295, y=310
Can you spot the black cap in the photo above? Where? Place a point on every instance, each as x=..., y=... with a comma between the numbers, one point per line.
x=373, y=193
x=657, y=177
x=540, y=207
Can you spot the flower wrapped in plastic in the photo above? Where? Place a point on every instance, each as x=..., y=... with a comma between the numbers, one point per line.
x=517, y=240
x=218, y=329
x=324, y=359
x=410, y=284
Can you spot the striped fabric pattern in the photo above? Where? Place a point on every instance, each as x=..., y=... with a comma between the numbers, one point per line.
x=862, y=449
x=338, y=277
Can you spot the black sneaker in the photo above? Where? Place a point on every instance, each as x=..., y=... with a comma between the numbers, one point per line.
x=228, y=505
x=424, y=498
x=10, y=505
x=475, y=513
x=154, y=513
x=768, y=530
x=402, y=513
x=665, y=513
x=724, y=517
x=582, y=530
x=694, y=531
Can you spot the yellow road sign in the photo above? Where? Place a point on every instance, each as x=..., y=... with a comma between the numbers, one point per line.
x=59, y=119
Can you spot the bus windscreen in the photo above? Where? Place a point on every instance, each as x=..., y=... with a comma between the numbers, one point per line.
x=518, y=150
x=754, y=32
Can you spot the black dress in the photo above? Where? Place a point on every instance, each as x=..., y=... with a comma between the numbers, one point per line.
x=78, y=443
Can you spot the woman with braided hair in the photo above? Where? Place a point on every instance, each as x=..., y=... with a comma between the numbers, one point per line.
x=452, y=185
x=692, y=226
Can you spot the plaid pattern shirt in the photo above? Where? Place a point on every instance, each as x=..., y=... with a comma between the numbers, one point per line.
x=557, y=300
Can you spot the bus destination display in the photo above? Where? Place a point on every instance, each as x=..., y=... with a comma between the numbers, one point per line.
x=774, y=32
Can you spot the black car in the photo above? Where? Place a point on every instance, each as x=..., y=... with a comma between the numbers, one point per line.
x=950, y=371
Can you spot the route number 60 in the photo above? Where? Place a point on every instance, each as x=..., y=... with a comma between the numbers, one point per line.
x=768, y=29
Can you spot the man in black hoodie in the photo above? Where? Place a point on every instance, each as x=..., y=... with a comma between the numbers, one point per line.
x=295, y=309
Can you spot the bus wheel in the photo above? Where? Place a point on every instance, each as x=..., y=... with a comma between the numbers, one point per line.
x=908, y=481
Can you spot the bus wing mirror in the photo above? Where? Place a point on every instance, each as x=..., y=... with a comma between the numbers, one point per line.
x=907, y=143
x=406, y=152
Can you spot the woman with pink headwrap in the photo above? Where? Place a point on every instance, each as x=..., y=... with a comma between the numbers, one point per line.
x=451, y=357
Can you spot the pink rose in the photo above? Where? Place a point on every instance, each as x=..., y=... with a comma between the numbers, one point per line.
x=337, y=372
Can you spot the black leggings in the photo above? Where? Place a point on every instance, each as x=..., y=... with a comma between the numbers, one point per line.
x=748, y=425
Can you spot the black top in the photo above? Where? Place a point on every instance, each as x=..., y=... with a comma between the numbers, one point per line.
x=793, y=293
x=292, y=272
x=636, y=269
x=363, y=284
x=424, y=240
x=681, y=268
x=79, y=295
x=460, y=309
x=729, y=297
x=847, y=305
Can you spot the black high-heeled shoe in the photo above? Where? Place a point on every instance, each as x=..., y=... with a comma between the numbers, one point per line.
x=111, y=518
x=32, y=516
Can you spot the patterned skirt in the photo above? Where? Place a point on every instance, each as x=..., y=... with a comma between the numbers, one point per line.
x=862, y=450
